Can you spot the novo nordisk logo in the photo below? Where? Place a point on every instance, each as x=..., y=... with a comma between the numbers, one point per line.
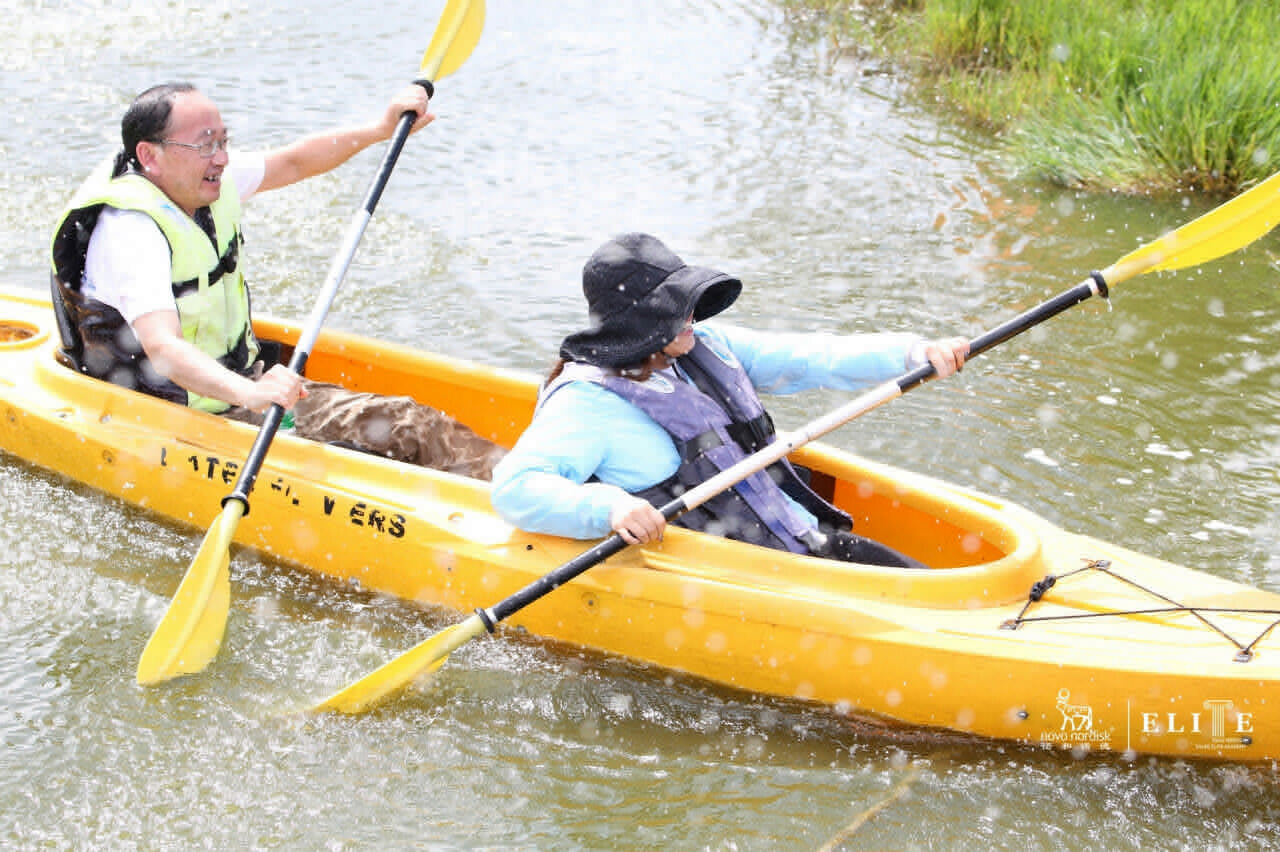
x=1077, y=725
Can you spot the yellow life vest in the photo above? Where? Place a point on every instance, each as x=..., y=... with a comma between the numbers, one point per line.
x=208, y=287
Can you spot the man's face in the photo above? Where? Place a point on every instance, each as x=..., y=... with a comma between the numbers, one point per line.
x=189, y=179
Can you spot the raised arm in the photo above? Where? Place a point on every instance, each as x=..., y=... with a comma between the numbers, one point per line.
x=318, y=153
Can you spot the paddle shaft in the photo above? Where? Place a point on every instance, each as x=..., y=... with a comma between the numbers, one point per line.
x=785, y=444
x=1093, y=286
x=311, y=329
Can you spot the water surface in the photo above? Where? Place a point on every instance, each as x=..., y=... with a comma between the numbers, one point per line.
x=739, y=138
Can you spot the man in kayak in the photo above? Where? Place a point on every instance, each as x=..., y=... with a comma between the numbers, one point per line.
x=643, y=405
x=148, y=277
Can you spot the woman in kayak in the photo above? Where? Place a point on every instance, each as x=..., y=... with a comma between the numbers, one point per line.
x=643, y=405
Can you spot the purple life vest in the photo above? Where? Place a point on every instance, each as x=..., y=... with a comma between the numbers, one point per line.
x=716, y=419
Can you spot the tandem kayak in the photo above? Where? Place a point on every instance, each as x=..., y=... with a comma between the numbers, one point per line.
x=1019, y=631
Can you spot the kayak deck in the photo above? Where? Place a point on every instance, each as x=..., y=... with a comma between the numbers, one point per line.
x=1123, y=652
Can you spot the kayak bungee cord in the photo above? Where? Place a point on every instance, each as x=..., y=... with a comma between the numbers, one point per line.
x=1244, y=653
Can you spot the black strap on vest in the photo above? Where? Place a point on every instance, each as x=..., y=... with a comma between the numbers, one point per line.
x=754, y=433
x=696, y=446
x=226, y=264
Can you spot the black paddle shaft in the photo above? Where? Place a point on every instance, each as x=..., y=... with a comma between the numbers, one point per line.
x=550, y=582
x=393, y=152
x=1024, y=321
x=298, y=363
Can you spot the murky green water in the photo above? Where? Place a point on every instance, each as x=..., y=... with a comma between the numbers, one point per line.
x=725, y=130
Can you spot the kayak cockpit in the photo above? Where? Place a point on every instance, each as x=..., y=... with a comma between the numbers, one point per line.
x=980, y=552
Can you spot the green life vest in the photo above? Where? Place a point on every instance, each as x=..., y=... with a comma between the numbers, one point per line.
x=208, y=287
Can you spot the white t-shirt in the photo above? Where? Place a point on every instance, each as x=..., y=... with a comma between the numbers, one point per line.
x=127, y=265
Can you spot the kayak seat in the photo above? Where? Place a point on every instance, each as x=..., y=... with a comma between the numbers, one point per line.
x=71, y=352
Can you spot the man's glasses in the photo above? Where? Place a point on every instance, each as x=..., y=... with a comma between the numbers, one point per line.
x=205, y=149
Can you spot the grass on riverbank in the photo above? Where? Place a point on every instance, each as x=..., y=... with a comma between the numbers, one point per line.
x=1131, y=95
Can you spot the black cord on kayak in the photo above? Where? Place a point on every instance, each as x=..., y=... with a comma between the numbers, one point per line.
x=1244, y=653
x=1038, y=589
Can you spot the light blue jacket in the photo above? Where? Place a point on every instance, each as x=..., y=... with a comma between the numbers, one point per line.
x=583, y=430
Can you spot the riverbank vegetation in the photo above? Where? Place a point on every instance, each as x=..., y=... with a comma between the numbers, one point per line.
x=1128, y=95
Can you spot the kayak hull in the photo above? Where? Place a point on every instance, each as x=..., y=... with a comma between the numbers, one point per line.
x=1191, y=670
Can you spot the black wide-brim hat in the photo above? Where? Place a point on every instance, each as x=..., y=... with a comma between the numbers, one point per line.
x=639, y=294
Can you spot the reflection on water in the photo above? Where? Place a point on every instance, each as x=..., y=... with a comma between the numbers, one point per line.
x=843, y=206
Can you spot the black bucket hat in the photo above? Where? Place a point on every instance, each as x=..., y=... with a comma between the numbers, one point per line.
x=639, y=294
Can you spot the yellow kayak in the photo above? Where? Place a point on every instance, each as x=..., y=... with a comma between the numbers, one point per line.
x=1021, y=631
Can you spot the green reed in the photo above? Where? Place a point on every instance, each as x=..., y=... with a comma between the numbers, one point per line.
x=1134, y=95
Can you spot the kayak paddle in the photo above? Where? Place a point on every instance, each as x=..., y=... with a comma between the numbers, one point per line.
x=188, y=636
x=1221, y=231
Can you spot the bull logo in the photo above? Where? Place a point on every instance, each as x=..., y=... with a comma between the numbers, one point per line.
x=1075, y=717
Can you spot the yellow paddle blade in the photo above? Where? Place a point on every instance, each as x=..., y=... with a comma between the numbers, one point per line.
x=423, y=658
x=187, y=638
x=1219, y=232
x=455, y=37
